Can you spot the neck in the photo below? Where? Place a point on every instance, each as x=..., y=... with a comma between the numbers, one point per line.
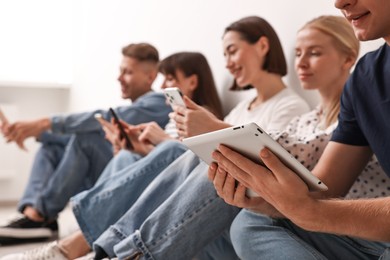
x=332, y=94
x=267, y=86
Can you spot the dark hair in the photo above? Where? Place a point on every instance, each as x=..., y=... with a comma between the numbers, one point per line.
x=251, y=29
x=194, y=63
x=141, y=52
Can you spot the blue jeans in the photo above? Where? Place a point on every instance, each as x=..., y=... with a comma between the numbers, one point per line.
x=255, y=235
x=119, y=188
x=63, y=167
x=175, y=217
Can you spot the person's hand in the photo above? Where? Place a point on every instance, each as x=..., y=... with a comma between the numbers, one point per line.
x=141, y=147
x=276, y=184
x=18, y=132
x=151, y=133
x=112, y=134
x=4, y=126
x=234, y=193
x=194, y=120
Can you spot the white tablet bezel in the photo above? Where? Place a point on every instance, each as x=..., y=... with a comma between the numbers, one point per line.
x=248, y=140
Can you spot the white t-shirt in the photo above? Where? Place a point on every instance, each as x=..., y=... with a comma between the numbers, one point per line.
x=273, y=114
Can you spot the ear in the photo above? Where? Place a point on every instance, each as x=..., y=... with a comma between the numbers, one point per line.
x=262, y=45
x=349, y=62
x=152, y=75
x=193, y=79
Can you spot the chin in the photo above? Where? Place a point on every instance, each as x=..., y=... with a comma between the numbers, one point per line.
x=241, y=84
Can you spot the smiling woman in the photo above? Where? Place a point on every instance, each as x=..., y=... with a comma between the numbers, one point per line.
x=36, y=42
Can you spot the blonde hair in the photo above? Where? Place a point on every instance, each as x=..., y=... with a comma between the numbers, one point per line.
x=345, y=41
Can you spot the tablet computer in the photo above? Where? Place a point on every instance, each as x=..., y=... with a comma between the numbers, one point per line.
x=248, y=140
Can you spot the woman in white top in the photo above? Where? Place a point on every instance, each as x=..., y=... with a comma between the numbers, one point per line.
x=255, y=58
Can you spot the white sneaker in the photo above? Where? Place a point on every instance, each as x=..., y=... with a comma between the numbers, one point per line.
x=49, y=251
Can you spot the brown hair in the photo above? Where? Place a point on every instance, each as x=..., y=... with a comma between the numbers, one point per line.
x=251, y=29
x=194, y=63
x=345, y=41
x=143, y=52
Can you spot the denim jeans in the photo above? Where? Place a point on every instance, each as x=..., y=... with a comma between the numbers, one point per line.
x=64, y=168
x=119, y=188
x=175, y=217
x=254, y=235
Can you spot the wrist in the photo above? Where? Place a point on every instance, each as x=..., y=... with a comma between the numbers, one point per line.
x=45, y=124
x=308, y=215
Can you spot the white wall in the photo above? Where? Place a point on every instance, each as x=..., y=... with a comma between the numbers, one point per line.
x=22, y=103
x=101, y=28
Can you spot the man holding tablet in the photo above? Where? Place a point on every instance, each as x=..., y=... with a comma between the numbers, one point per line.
x=314, y=226
x=74, y=151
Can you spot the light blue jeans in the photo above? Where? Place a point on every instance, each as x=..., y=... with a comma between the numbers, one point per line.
x=177, y=216
x=119, y=187
x=254, y=235
x=63, y=167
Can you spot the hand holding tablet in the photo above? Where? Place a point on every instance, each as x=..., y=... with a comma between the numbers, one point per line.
x=248, y=140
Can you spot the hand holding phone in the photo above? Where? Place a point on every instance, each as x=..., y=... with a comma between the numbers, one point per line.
x=123, y=134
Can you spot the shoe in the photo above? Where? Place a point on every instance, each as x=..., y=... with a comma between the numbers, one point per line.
x=89, y=256
x=23, y=230
x=49, y=251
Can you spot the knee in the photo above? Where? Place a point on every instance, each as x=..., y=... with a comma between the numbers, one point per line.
x=172, y=146
x=245, y=230
x=237, y=233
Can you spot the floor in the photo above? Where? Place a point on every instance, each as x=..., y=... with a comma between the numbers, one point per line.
x=67, y=224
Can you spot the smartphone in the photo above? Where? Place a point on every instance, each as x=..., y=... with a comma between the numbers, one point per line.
x=123, y=134
x=3, y=119
x=174, y=96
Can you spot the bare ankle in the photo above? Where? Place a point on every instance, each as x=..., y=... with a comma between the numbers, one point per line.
x=33, y=214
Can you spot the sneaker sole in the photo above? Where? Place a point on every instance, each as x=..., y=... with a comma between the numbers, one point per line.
x=27, y=233
x=7, y=241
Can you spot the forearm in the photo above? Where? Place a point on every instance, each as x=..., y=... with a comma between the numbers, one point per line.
x=368, y=218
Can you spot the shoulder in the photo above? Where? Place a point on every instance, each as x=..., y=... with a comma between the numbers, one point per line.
x=288, y=98
x=371, y=60
x=150, y=97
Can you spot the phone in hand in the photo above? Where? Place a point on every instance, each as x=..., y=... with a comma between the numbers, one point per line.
x=123, y=134
x=174, y=96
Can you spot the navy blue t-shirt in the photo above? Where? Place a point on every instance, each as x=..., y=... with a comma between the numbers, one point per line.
x=364, y=118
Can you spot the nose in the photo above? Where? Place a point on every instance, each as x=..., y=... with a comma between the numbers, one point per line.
x=301, y=61
x=164, y=84
x=342, y=4
x=120, y=77
x=229, y=62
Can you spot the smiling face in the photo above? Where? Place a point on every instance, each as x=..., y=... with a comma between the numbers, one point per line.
x=135, y=77
x=318, y=63
x=243, y=59
x=370, y=19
